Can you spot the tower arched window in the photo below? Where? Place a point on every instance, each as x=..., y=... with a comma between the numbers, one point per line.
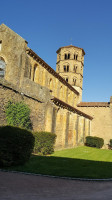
x=64, y=68
x=66, y=79
x=75, y=56
x=68, y=55
x=74, y=81
x=65, y=56
x=75, y=68
x=2, y=67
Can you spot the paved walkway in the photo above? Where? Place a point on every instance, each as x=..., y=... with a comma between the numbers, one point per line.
x=15, y=186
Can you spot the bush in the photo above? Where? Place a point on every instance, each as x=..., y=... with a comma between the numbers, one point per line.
x=18, y=114
x=16, y=145
x=94, y=142
x=44, y=143
x=110, y=144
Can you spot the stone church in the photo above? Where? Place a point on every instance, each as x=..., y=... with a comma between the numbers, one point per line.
x=54, y=97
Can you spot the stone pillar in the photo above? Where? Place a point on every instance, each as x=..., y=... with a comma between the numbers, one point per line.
x=60, y=128
x=54, y=115
x=48, y=118
x=72, y=129
x=80, y=130
x=44, y=77
x=89, y=129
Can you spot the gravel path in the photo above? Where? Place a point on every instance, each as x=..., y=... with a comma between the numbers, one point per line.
x=15, y=186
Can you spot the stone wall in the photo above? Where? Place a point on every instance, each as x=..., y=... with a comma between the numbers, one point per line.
x=101, y=123
x=46, y=116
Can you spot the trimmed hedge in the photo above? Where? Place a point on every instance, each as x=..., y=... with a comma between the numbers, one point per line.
x=44, y=143
x=110, y=144
x=16, y=145
x=94, y=142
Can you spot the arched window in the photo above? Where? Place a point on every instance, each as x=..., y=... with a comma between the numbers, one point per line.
x=66, y=79
x=65, y=56
x=35, y=74
x=2, y=67
x=74, y=81
x=68, y=55
x=75, y=68
x=51, y=84
x=67, y=68
x=75, y=56
x=64, y=68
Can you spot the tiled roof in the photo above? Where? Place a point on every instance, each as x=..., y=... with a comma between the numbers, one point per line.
x=93, y=104
x=62, y=104
x=70, y=46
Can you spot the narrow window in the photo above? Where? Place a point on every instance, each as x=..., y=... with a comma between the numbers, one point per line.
x=34, y=72
x=30, y=72
x=0, y=45
x=67, y=79
x=67, y=68
x=74, y=81
x=74, y=56
x=64, y=68
x=65, y=56
x=68, y=55
x=2, y=67
x=75, y=69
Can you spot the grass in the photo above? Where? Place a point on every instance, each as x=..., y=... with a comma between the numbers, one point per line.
x=83, y=162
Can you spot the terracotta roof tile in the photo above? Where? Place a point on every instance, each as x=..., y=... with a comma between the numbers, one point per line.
x=73, y=109
x=70, y=46
x=93, y=104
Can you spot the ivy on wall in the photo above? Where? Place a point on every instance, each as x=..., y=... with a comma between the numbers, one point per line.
x=18, y=114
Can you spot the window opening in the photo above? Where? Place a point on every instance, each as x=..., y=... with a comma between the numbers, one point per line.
x=67, y=79
x=68, y=55
x=67, y=68
x=74, y=81
x=64, y=68
x=2, y=67
x=65, y=56
x=0, y=45
x=34, y=72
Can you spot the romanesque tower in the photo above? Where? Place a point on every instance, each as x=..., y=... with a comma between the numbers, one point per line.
x=70, y=62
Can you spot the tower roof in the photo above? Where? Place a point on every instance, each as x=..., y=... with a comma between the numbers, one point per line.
x=69, y=47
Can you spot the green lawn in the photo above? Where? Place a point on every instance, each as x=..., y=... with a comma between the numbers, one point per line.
x=85, y=162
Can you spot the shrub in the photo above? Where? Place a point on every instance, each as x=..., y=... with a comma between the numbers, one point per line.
x=44, y=143
x=94, y=142
x=110, y=144
x=18, y=114
x=16, y=145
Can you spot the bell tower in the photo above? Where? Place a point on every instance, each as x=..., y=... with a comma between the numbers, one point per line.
x=70, y=63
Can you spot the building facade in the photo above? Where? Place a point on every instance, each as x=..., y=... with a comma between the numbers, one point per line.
x=54, y=97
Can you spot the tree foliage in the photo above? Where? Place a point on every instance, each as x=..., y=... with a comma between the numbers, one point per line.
x=18, y=114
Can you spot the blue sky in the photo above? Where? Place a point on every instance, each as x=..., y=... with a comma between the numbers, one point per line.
x=50, y=24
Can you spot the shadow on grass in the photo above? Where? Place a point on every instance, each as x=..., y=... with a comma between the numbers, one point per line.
x=66, y=167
